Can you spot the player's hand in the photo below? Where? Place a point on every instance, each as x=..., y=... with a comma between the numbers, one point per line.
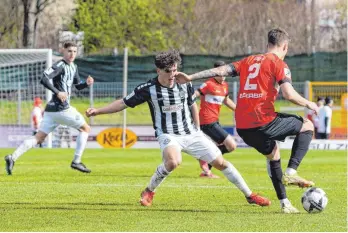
x=182, y=78
x=313, y=106
x=62, y=96
x=91, y=112
x=89, y=80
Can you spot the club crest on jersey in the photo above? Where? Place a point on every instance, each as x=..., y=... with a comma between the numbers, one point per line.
x=287, y=72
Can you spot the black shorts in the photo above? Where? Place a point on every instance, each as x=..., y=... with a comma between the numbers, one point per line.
x=263, y=138
x=215, y=132
x=323, y=136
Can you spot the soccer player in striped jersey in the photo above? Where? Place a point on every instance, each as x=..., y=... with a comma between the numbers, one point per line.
x=261, y=76
x=175, y=120
x=64, y=75
x=213, y=94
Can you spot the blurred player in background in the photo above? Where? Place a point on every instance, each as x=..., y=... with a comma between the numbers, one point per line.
x=36, y=116
x=315, y=118
x=58, y=111
x=213, y=94
x=176, y=122
x=325, y=117
x=64, y=135
x=257, y=123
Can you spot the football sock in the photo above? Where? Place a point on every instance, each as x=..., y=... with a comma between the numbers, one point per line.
x=290, y=171
x=300, y=148
x=158, y=177
x=233, y=176
x=275, y=172
x=223, y=149
x=81, y=142
x=24, y=147
x=284, y=201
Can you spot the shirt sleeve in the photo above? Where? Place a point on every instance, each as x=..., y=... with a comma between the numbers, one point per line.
x=56, y=70
x=282, y=73
x=138, y=96
x=191, y=97
x=237, y=66
x=79, y=84
x=204, y=88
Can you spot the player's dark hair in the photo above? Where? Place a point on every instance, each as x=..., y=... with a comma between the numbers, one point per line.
x=277, y=36
x=328, y=100
x=69, y=43
x=219, y=63
x=165, y=60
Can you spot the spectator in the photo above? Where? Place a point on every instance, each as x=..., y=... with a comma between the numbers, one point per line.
x=325, y=116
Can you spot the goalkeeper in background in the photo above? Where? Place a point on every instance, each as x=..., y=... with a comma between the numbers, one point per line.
x=64, y=75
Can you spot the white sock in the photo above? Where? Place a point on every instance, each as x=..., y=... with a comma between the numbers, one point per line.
x=284, y=201
x=158, y=177
x=24, y=147
x=233, y=175
x=81, y=142
x=290, y=171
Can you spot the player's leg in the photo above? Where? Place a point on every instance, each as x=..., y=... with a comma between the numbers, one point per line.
x=275, y=172
x=258, y=140
x=47, y=126
x=203, y=148
x=72, y=118
x=171, y=157
x=300, y=146
x=225, y=142
x=288, y=125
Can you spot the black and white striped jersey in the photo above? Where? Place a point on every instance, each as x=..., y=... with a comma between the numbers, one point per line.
x=63, y=75
x=169, y=107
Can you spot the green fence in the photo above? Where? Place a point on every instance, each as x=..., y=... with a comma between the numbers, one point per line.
x=316, y=67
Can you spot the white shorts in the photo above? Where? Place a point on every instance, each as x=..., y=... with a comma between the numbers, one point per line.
x=69, y=117
x=197, y=145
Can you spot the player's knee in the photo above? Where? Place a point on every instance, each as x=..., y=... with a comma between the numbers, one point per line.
x=230, y=143
x=219, y=163
x=40, y=137
x=171, y=164
x=275, y=154
x=85, y=128
x=307, y=125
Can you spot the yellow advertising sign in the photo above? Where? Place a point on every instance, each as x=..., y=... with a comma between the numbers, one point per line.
x=112, y=138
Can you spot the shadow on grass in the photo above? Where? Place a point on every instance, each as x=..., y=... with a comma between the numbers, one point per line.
x=121, y=207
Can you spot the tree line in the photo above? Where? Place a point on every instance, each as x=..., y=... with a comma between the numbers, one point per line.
x=224, y=27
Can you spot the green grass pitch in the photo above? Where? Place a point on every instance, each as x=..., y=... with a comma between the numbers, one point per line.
x=45, y=194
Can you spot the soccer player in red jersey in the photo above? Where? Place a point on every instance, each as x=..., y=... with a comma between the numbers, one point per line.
x=261, y=77
x=213, y=94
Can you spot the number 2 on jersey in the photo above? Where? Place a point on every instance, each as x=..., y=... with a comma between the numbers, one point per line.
x=254, y=70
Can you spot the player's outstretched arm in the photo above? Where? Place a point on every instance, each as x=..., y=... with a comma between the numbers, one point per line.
x=116, y=106
x=226, y=70
x=291, y=94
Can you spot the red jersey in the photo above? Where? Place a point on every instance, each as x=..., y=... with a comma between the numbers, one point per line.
x=260, y=77
x=213, y=94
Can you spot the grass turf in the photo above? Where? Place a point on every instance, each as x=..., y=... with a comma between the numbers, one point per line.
x=44, y=194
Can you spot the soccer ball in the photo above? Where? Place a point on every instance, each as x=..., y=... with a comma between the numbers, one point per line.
x=314, y=200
